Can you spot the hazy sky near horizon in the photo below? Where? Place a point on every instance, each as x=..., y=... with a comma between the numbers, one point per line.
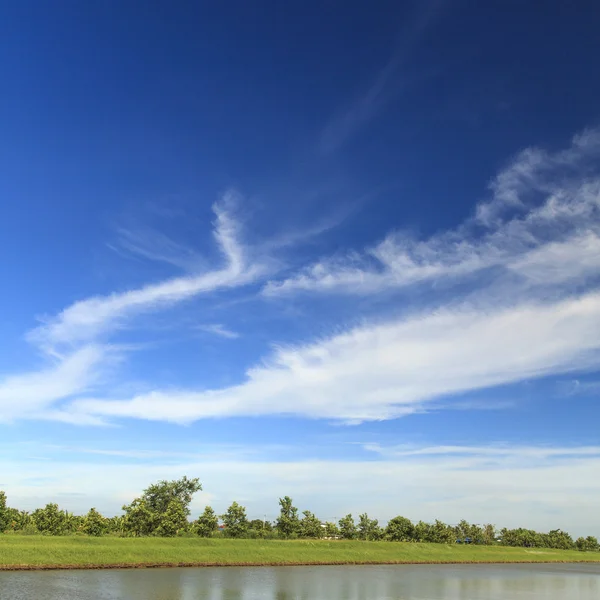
x=344, y=251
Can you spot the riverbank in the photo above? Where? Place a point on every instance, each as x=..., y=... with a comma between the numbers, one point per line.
x=42, y=552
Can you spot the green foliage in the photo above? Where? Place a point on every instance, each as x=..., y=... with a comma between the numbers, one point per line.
x=139, y=519
x=173, y=520
x=559, y=539
x=588, y=544
x=206, y=524
x=400, y=529
x=162, y=509
x=347, y=527
x=310, y=526
x=94, y=523
x=4, y=516
x=235, y=521
x=159, y=495
x=368, y=529
x=442, y=533
x=489, y=534
x=288, y=522
x=51, y=520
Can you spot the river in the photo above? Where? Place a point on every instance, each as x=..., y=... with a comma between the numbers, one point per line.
x=404, y=582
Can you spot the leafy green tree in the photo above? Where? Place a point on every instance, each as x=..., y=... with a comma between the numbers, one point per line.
x=206, y=524
x=4, y=514
x=522, y=538
x=235, y=521
x=400, y=529
x=347, y=527
x=560, y=539
x=331, y=530
x=310, y=526
x=288, y=522
x=94, y=523
x=159, y=495
x=139, y=519
x=368, y=529
x=50, y=520
x=158, y=510
x=489, y=534
x=424, y=532
x=115, y=525
x=173, y=520
x=588, y=544
x=442, y=533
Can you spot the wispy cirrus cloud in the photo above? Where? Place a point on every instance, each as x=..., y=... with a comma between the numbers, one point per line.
x=92, y=317
x=541, y=225
x=219, y=330
x=386, y=370
x=520, y=323
x=524, y=320
x=34, y=394
x=366, y=105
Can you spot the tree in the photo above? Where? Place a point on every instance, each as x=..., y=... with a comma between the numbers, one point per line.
x=158, y=495
x=489, y=534
x=347, y=527
x=235, y=521
x=310, y=526
x=4, y=514
x=139, y=519
x=50, y=520
x=400, y=529
x=115, y=524
x=173, y=519
x=424, y=532
x=147, y=514
x=588, y=544
x=442, y=533
x=331, y=530
x=368, y=529
x=560, y=539
x=94, y=523
x=206, y=524
x=288, y=522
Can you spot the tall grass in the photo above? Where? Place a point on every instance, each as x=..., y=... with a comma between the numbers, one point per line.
x=79, y=551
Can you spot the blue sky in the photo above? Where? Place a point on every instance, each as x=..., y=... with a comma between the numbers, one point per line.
x=348, y=252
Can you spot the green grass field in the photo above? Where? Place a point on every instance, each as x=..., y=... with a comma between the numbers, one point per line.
x=39, y=551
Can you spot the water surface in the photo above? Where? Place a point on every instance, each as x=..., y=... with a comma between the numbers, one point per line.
x=398, y=582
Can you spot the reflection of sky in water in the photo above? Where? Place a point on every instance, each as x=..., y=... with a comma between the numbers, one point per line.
x=424, y=582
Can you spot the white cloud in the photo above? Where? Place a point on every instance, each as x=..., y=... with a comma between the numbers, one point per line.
x=386, y=370
x=542, y=224
x=32, y=394
x=384, y=85
x=547, y=489
x=220, y=330
x=92, y=317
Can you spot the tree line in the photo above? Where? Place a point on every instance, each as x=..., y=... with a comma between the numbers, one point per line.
x=163, y=510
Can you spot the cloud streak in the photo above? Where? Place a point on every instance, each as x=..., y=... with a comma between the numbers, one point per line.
x=347, y=122
x=388, y=370
x=32, y=394
x=92, y=317
x=548, y=242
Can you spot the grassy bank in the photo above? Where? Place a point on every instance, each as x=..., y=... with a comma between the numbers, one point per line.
x=81, y=552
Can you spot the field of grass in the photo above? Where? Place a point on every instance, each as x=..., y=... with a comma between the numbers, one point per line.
x=82, y=552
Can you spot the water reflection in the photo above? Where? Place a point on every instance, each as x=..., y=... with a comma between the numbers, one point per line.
x=423, y=582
